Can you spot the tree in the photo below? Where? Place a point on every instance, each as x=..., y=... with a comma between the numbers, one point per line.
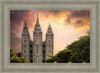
x=15, y=59
x=19, y=54
x=52, y=59
x=80, y=49
x=24, y=60
x=77, y=52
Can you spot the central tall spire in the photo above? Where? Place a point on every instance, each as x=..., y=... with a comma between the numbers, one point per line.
x=37, y=22
x=25, y=23
x=37, y=25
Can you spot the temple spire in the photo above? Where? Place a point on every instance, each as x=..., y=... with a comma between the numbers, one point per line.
x=25, y=29
x=37, y=25
x=25, y=22
x=49, y=28
x=49, y=25
x=37, y=22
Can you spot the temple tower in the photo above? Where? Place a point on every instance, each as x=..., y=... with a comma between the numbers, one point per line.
x=25, y=42
x=37, y=38
x=49, y=42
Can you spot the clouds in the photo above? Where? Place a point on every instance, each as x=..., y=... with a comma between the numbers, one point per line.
x=17, y=18
x=67, y=25
x=81, y=13
x=78, y=18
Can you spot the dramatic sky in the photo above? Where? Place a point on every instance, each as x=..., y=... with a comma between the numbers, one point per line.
x=67, y=25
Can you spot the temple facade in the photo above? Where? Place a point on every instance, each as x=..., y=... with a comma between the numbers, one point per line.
x=37, y=51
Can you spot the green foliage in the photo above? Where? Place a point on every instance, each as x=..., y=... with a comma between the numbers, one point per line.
x=80, y=49
x=64, y=55
x=76, y=52
x=15, y=59
x=51, y=59
x=18, y=54
x=24, y=60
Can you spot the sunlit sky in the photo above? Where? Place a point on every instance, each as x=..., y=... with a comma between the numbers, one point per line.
x=67, y=26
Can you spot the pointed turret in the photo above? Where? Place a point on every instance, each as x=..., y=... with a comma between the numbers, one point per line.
x=37, y=25
x=25, y=25
x=25, y=42
x=25, y=29
x=49, y=41
x=25, y=22
x=49, y=29
x=49, y=25
x=37, y=22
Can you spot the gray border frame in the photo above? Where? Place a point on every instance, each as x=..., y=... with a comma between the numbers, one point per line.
x=7, y=5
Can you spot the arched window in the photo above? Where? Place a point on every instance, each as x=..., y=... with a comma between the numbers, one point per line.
x=37, y=41
x=49, y=41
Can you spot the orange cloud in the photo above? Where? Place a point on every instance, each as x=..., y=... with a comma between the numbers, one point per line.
x=78, y=18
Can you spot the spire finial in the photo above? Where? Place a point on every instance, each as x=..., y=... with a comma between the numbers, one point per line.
x=49, y=23
x=37, y=18
x=49, y=30
x=25, y=22
x=37, y=13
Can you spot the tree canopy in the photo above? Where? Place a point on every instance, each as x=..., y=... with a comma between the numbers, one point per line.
x=15, y=59
x=77, y=52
